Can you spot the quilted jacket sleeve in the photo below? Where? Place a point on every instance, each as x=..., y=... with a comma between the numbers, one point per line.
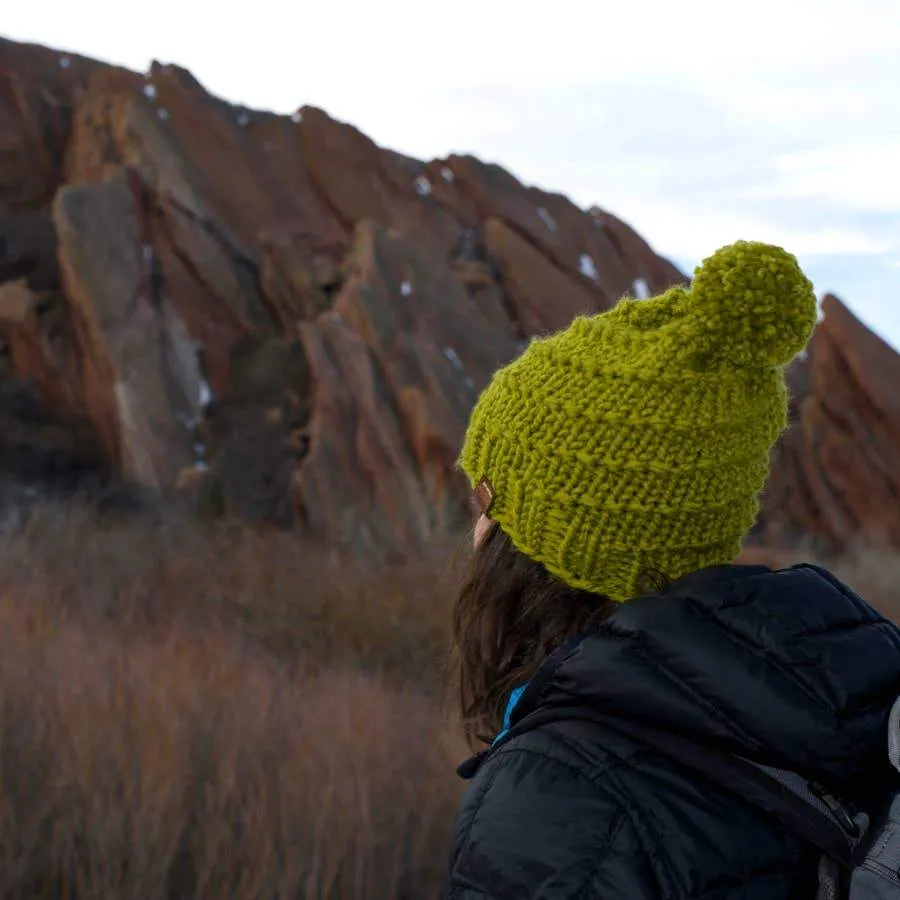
x=533, y=825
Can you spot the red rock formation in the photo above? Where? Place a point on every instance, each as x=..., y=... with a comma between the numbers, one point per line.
x=836, y=475
x=298, y=320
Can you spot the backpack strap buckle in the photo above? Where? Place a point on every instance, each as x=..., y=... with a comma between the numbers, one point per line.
x=838, y=810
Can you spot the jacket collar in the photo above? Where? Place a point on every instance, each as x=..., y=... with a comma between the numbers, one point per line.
x=789, y=668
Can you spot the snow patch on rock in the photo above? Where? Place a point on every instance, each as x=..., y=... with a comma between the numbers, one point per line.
x=453, y=357
x=547, y=219
x=587, y=267
x=640, y=289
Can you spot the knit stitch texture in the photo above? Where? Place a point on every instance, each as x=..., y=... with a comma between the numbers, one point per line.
x=639, y=439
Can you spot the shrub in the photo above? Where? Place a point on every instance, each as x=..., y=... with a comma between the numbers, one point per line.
x=191, y=713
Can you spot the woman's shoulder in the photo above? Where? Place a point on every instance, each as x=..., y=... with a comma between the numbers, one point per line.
x=588, y=808
x=581, y=751
x=577, y=749
x=540, y=803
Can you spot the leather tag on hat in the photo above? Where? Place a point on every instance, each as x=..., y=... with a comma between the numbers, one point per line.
x=484, y=496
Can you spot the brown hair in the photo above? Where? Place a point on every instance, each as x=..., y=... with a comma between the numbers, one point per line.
x=509, y=616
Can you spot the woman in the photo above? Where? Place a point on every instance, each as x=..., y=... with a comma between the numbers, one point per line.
x=618, y=466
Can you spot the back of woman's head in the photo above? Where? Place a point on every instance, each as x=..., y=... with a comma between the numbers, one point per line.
x=634, y=441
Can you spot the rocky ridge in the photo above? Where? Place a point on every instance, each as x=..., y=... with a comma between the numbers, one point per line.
x=278, y=314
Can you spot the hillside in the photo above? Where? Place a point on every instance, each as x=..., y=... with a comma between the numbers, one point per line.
x=290, y=324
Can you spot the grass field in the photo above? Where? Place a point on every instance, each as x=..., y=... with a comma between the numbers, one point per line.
x=197, y=712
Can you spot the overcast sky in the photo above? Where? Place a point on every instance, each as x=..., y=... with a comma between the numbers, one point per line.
x=699, y=122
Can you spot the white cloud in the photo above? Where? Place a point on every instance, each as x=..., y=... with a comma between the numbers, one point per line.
x=682, y=234
x=853, y=174
x=280, y=51
x=697, y=121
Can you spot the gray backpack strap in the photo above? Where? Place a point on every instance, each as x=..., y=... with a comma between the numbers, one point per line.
x=877, y=876
x=894, y=736
x=831, y=880
x=875, y=872
x=854, y=826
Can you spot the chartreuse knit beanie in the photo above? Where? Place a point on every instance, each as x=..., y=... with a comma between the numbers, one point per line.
x=638, y=440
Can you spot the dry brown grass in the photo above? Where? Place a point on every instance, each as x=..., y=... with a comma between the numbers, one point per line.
x=191, y=712
x=214, y=714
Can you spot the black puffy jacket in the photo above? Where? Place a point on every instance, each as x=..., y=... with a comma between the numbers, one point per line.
x=790, y=669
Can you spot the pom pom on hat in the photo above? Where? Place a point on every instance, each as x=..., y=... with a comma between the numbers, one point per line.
x=756, y=305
